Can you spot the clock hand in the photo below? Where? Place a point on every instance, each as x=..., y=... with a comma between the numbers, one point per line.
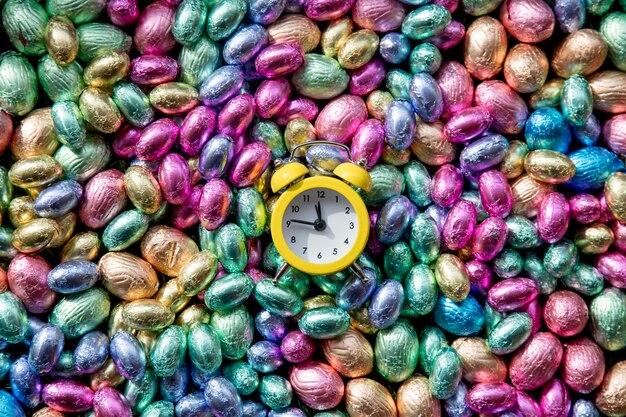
x=302, y=222
x=318, y=210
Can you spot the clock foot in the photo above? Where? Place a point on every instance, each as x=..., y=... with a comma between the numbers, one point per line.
x=280, y=272
x=359, y=271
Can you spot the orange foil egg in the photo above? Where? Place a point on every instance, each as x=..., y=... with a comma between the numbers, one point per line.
x=609, y=94
x=581, y=52
x=526, y=68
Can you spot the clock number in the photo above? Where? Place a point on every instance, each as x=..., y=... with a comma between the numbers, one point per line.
x=334, y=251
x=305, y=198
x=351, y=225
x=346, y=241
x=347, y=210
x=288, y=223
x=293, y=239
x=295, y=209
x=319, y=255
x=304, y=248
x=321, y=194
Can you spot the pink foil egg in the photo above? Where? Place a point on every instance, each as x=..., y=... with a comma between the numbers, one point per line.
x=297, y=347
x=122, y=12
x=255, y=252
x=584, y=208
x=459, y=226
x=512, y=294
x=613, y=266
x=526, y=406
x=619, y=232
x=533, y=364
x=491, y=397
x=104, y=198
x=108, y=402
x=367, y=78
x=378, y=15
x=555, y=400
x=271, y=96
x=451, y=5
x=446, y=185
x=249, y=164
x=529, y=21
x=367, y=143
x=125, y=141
x=153, y=34
x=583, y=365
x=156, y=140
x=553, y=217
x=322, y=10
x=27, y=276
x=317, y=385
x=185, y=215
x=533, y=309
x=467, y=124
x=153, y=70
x=236, y=115
x=451, y=36
x=507, y=108
x=340, y=118
x=67, y=396
x=495, y=193
x=278, y=60
x=300, y=107
x=196, y=129
x=214, y=204
x=480, y=275
x=565, y=313
x=489, y=238
x=174, y=179
x=614, y=132
x=457, y=88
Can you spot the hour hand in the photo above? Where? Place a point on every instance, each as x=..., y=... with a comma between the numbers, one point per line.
x=302, y=222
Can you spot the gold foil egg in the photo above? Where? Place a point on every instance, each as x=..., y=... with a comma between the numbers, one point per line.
x=615, y=192
x=480, y=365
x=549, y=166
x=295, y=28
x=485, y=47
x=127, y=276
x=350, y=354
x=35, y=135
x=581, y=52
x=367, y=398
x=167, y=249
x=526, y=68
x=610, y=398
x=415, y=400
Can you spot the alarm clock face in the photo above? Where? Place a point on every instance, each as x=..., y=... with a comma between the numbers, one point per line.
x=320, y=226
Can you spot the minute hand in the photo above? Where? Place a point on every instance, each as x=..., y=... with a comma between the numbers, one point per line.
x=302, y=222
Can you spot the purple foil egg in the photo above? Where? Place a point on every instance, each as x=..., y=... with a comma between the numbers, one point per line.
x=480, y=275
x=216, y=157
x=555, y=399
x=156, y=140
x=451, y=36
x=584, y=208
x=553, y=217
x=378, y=15
x=196, y=129
x=153, y=34
x=108, y=402
x=612, y=265
x=296, y=347
x=278, y=60
x=340, y=118
x=185, y=215
x=300, y=107
x=125, y=141
x=367, y=142
x=153, y=70
x=68, y=396
x=533, y=364
x=103, y=199
x=491, y=397
x=271, y=96
x=495, y=193
x=174, y=179
x=526, y=406
x=457, y=88
x=459, y=226
x=512, y=294
x=255, y=252
x=373, y=244
x=223, y=83
x=467, y=124
x=446, y=186
x=507, y=108
x=27, y=276
x=317, y=385
x=367, y=78
x=484, y=153
x=214, y=204
x=489, y=238
x=249, y=164
x=451, y=5
x=322, y=10
x=533, y=309
x=236, y=115
x=122, y=12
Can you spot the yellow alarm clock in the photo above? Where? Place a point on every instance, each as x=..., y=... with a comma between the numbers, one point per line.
x=320, y=224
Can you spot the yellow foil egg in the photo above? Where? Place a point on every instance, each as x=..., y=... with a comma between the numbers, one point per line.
x=147, y=314
x=594, y=239
x=127, y=276
x=480, y=365
x=143, y=189
x=526, y=68
x=99, y=110
x=513, y=163
x=106, y=376
x=198, y=273
x=167, y=249
x=549, y=166
x=171, y=296
x=35, y=135
x=350, y=354
x=61, y=40
x=83, y=246
x=35, y=235
x=67, y=224
x=174, y=98
x=21, y=210
x=549, y=95
x=335, y=35
x=452, y=278
x=197, y=313
x=378, y=103
x=358, y=49
x=485, y=47
x=610, y=398
x=295, y=28
x=615, y=192
x=581, y=52
x=360, y=320
x=106, y=69
x=116, y=321
x=35, y=171
x=415, y=400
x=365, y=397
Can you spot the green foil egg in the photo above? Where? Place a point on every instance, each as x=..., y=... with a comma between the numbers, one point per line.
x=6, y=189
x=420, y=287
x=229, y=291
x=425, y=57
x=13, y=318
x=522, y=233
x=140, y=394
x=560, y=258
x=124, y=230
x=387, y=182
x=78, y=11
x=324, y=322
x=480, y=7
x=243, y=377
x=205, y=350
x=296, y=280
x=190, y=20
x=607, y=312
x=613, y=30
x=426, y=21
x=275, y=392
x=159, y=409
x=534, y=269
x=445, y=373
x=69, y=124
x=397, y=82
x=398, y=260
x=61, y=83
x=78, y=314
x=510, y=333
x=82, y=164
x=234, y=330
x=320, y=77
x=576, y=100
x=268, y=132
x=232, y=251
x=224, y=17
x=277, y=298
x=18, y=84
x=133, y=104
x=425, y=239
x=584, y=279
x=168, y=354
x=330, y=284
x=396, y=351
x=251, y=212
x=100, y=38
x=198, y=61
x=417, y=183
x=25, y=23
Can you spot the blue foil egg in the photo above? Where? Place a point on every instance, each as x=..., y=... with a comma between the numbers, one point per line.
x=128, y=356
x=58, y=199
x=456, y=406
x=216, y=156
x=570, y=14
x=245, y=44
x=222, y=84
x=265, y=12
x=584, y=408
x=265, y=356
x=45, y=348
x=354, y=292
x=589, y=133
x=399, y=125
x=200, y=377
x=287, y=412
x=253, y=409
x=9, y=407
x=5, y=364
x=394, y=218
x=222, y=398
x=394, y=47
x=25, y=383
x=271, y=326
x=91, y=352
x=192, y=405
x=34, y=325
x=386, y=304
x=484, y=153
x=593, y=166
x=546, y=128
x=173, y=388
x=461, y=319
x=73, y=276
x=426, y=97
